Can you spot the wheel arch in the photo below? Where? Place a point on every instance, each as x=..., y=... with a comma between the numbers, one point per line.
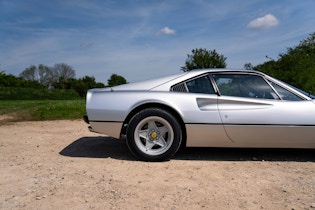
x=135, y=110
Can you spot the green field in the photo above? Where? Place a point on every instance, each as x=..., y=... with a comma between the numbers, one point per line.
x=26, y=110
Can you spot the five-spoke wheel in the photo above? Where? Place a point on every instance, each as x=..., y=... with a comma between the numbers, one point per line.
x=154, y=135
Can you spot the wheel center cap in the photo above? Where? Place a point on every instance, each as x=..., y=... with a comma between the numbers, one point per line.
x=153, y=135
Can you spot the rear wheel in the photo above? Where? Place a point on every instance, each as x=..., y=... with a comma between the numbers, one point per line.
x=154, y=135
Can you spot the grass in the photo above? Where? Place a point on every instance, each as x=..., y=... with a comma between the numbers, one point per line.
x=30, y=110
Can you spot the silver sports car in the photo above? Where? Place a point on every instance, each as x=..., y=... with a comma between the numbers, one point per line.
x=203, y=108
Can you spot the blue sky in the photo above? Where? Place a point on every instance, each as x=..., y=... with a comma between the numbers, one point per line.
x=141, y=39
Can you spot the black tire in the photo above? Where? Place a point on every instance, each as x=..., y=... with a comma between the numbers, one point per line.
x=153, y=134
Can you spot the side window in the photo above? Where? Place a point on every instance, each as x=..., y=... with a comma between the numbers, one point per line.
x=244, y=85
x=200, y=85
x=285, y=94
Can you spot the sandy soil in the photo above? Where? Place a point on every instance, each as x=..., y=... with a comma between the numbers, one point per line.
x=61, y=165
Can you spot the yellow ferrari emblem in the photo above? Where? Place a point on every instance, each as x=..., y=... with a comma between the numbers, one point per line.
x=153, y=135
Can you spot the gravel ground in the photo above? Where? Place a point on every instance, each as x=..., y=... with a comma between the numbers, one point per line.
x=61, y=165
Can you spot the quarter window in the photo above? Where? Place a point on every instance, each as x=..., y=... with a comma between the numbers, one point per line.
x=200, y=85
x=285, y=94
x=244, y=85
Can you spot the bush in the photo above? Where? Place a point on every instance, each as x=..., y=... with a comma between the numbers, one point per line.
x=14, y=93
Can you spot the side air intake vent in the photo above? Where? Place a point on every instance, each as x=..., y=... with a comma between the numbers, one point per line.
x=179, y=88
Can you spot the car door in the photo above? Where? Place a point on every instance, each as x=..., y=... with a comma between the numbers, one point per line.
x=203, y=122
x=255, y=115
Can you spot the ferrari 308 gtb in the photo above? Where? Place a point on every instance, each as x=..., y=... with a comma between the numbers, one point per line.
x=203, y=108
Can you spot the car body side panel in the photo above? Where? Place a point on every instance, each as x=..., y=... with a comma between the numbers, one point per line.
x=272, y=136
x=113, y=107
x=268, y=123
x=237, y=110
x=207, y=135
x=108, y=128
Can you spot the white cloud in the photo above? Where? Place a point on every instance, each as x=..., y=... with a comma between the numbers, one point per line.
x=167, y=31
x=266, y=21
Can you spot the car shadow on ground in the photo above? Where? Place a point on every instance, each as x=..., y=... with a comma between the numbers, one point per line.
x=107, y=147
x=98, y=147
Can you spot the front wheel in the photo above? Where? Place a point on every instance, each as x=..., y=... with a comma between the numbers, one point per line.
x=154, y=135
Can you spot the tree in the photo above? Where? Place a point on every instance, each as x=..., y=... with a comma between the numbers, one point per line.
x=61, y=72
x=47, y=76
x=309, y=42
x=86, y=83
x=203, y=58
x=30, y=73
x=13, y=81
x=41, y=74
x=248, y=66
x=116, y=80
x=81, y=85
x=296, y=66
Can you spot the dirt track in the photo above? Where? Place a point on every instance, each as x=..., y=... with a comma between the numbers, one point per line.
x=60, y=165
